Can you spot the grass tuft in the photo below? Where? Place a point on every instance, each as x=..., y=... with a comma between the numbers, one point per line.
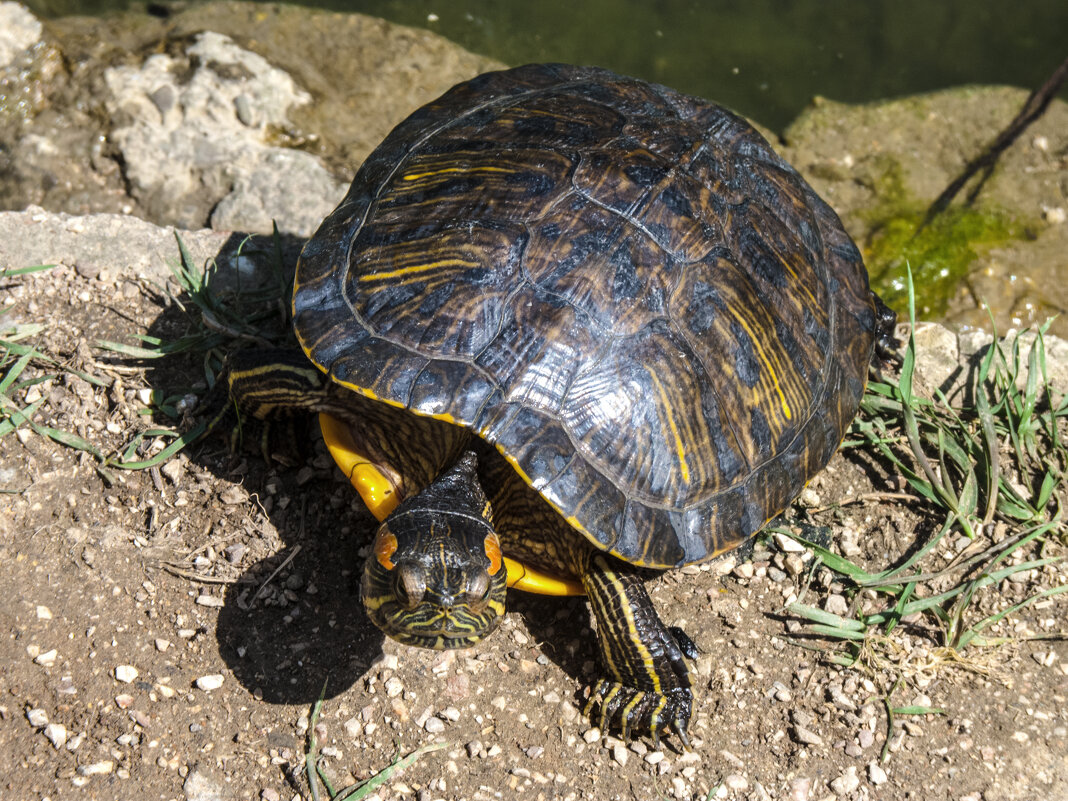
x=991, y=469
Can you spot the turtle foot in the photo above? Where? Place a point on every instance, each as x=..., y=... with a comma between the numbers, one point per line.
x=636, y=712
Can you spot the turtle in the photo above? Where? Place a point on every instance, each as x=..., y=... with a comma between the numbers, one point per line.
x=568, y=330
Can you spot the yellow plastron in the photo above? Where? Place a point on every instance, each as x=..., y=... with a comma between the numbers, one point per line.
x=381, y=498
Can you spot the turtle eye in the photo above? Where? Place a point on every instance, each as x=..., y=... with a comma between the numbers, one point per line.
x=409, y=585
x=478, y=588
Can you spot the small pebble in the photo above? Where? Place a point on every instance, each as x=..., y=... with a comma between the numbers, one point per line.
x=654, y=757
x=795, y=566
x=394, y=687
x=44, y=613
x=736, y=781
x=534, y=751
x=434, y=725
x=836, y=605
x=210, y=600
x=270, y=794
x=474, y=748
x=213, y=681
x=38, y=718
x=162, y=644
x=800, y=788
x=172, y=470
x=386, y=662
x=97, y=768
x=876, y=775
x=451, y=713
x=353, y=728
x=590, y=735
x=57, y=734
x=788, y=544
x=47, y=659
x=865, y=738
x=619, y=754
x=847, y=782
x=126, y=673
x=744, y=570
x=124, y=701
x=807, y=736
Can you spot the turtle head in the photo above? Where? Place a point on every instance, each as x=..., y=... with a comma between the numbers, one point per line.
x=436, y=576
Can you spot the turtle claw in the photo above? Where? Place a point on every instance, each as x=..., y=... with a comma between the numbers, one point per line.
x=635, y=712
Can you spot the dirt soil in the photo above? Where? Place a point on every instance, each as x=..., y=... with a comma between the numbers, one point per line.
x=166, y=635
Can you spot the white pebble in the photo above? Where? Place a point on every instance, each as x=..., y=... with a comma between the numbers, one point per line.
x=592, y=735
x=97, y=768
x=847, y=782
x=126, y=673
x=162, y=644
x=434, y=725
x=619, y=754
x=394, y=687
x=876, y=774
x=57, y=734
x=38, y=718
x=44, y=613
x=210, y=600
x=48, y=658
x=386, y=662
x=736, y=781
x=213, y=681
x=788, y=544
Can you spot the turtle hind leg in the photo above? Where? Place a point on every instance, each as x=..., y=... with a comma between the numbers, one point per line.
x=886, y=345
x=264, y=391
x=648, y=684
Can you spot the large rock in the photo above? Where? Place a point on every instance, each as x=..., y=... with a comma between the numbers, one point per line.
x=19, y=31
x=228, y=114
x=194, y=133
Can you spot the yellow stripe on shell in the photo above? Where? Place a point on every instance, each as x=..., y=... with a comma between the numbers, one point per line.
x=418, y=268
x=680, y=449
x=767, y=364
x=415, y=176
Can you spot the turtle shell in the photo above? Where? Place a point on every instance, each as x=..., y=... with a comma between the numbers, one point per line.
x=624, y=289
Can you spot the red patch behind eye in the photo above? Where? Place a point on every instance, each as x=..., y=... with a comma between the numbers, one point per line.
x=492, y=546
x=385, y=547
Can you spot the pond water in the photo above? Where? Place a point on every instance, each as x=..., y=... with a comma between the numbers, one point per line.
x=764, y=58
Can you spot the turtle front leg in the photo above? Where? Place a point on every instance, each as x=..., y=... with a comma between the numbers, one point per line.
x=648, y=683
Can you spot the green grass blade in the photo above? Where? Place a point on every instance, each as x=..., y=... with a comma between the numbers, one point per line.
x=15, y=371
x=826, y=618
x=365, y=788
x=11, y=272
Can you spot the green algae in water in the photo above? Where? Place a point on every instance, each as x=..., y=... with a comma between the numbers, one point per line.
x=940, y=254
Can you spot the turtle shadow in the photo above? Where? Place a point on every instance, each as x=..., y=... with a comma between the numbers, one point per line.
x=561, y=629
x=291, y=617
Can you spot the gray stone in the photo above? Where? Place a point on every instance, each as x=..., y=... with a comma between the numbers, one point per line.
x=19, y=31
x=184, y=134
